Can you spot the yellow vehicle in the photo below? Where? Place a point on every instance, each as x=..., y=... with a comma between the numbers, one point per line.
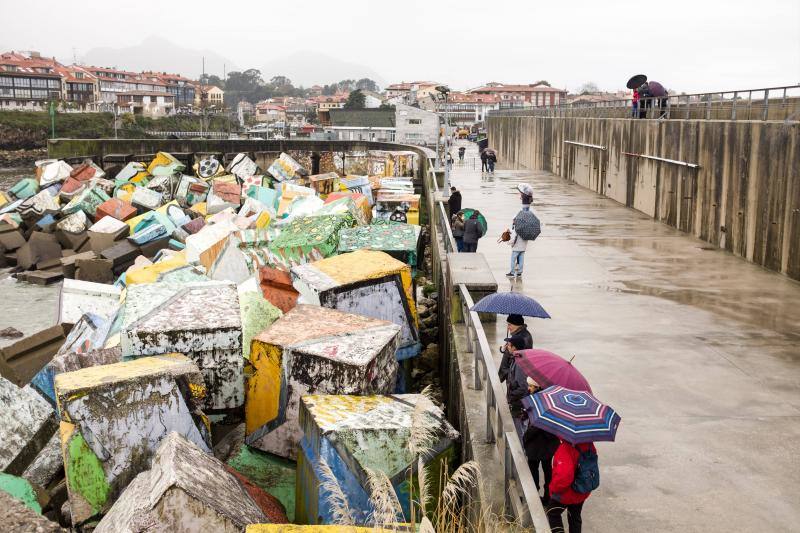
x=462, y=133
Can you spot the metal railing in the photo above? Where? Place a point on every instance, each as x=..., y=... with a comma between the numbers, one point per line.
x=522, y=501
x=770, y=103
x=190, y=134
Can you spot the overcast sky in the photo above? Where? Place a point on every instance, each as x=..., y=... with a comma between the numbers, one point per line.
x=690, y=46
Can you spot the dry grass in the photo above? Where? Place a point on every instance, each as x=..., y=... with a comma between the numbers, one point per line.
x=383, y=498
x=337, y=499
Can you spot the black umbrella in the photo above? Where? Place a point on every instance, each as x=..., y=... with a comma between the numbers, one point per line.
x=636, y=81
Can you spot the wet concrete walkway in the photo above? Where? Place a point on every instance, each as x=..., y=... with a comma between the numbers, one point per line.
x=698, y=351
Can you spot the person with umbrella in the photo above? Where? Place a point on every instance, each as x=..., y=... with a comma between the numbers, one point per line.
x=516, y=328
x=491, y=159
x=526, y=195
x=578, y=419
x=473, y=230
x=461, y=151
x=525, y=227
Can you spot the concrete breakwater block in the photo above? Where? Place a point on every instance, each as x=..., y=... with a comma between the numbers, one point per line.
x=20, y=361
x=80, y=297
x=356, y=433
x=398, y=240
x=364, y=282
x=201, y=320
x=312, y=349
x=185, y=490
x=27, y=423
x=113, y=418
x=44, y=380
x=307, y=239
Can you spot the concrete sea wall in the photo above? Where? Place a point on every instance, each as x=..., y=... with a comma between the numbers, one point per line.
x=740, y=191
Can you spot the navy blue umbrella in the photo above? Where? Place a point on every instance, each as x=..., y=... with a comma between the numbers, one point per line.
x=510, y=303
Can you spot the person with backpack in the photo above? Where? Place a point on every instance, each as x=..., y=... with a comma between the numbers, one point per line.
x=491, y=159
x=457, y=225
x=575, y=476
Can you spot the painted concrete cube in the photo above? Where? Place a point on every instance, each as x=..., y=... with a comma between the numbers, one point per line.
x=397, y=240
x=307, y=239
x=364, y=282
x=113, y=418
x=185, y=489
x=27, y=423
x=354, y=434
x=199, y=319
x=312, y=349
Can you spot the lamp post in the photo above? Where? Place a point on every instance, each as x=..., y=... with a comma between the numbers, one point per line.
x=443, y=90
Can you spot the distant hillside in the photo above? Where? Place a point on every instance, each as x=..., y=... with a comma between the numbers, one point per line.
x=159, y=54
x=307, y=68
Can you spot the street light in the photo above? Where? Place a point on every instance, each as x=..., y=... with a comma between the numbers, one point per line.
x=443, y=90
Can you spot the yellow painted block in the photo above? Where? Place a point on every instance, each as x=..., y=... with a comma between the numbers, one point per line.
x=327, y=410
x=135, y=220
x=263, y=220
x=263, y=385
x=200, y=208
x=140, y=177
x=226, y=178
x=150, y=273
x=73, y=383
x=3, y=199
x=368, y=264
x=162, y=158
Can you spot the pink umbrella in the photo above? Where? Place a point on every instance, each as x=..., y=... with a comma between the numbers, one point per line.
x=547, y=369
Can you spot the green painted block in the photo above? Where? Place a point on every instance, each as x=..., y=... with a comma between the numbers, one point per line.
x=85, y=473
x=20, y=489
x=269, y=472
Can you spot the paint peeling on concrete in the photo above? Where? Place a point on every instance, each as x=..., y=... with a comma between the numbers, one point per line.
x=313, y=349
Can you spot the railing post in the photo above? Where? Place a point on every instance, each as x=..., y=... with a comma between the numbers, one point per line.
x=709, y=97
x=477, y=382
x=733, y=108
x=766, y=104
x=490, y=407
x=785, y=107
x=508, y=475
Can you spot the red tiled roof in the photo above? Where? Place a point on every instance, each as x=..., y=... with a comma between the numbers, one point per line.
x=28, y=65
x=469, y=98
x=517, y=89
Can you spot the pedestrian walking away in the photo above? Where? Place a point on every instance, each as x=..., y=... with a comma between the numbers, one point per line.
x=454, y=202
x=457, y=225
x=515, y=327
x=491, y=159
x=484, y=158
x=571, y=464
x=461, y=151
x=472, y=232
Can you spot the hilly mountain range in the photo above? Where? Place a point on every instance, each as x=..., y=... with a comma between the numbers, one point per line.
x=155, y=53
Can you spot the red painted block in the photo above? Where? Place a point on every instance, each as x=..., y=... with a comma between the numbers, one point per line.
x=116, y=208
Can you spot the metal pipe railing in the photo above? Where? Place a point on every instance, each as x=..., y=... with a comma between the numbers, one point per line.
x=746, y=104
x=522, y=501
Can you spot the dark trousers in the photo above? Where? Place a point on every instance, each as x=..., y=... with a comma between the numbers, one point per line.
x=490, y=165
x=483, y=165
x=554, y=510
x=470, y=247
x=459, y=244
x=547, y=468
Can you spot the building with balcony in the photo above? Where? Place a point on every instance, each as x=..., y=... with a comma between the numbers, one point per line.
x=270, y=113
x=146, y=103
x=80, y=88
x=466, y=109
x=28, y=81
x=179, y=86
x=209, y=96
x=531, y=95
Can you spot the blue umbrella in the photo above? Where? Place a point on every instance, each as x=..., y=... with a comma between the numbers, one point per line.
x=510, y=303
x=574, y=416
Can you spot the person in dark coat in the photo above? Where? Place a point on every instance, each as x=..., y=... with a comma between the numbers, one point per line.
x=491, y=159
x=539, y=446
x=461, y=151
x=454, y=202
x=483, y=161
x=516, y=326
x=472, y=232
x=516, y=382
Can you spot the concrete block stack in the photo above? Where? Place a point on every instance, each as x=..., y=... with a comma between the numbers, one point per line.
x=200, y=298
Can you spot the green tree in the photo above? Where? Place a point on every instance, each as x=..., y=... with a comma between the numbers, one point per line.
x=589, y=87
x=356, y=100
x=216, y=81
x=543, y=82
x=366, y=84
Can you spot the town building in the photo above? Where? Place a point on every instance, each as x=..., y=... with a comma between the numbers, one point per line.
x=181, y=87
x=270, y=113
x=530, y=95
x=146, y=103
x=28, y=81
x=415, y=126
x=325, y=104
x=410, y=92
x=372, y=99
x=80, y=88
x=467, y=109
x=361, y=125
x=113, y=82
x=209, y=96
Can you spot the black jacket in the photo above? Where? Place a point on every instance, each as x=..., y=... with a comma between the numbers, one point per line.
x=506, y=361
x=454, y=202
x=472, y=230
x=516, y=389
